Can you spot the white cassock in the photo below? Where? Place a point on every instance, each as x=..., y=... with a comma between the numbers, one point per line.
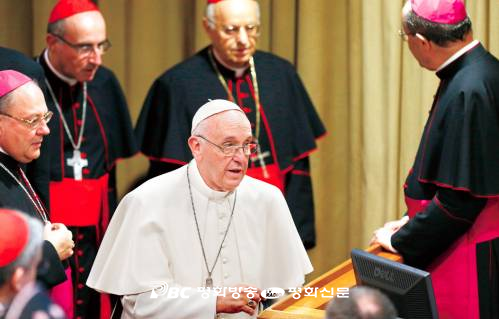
x=152, y=238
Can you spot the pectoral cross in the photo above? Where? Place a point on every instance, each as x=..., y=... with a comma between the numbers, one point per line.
x=209, y=282
x=260, y=157
x=77, y=163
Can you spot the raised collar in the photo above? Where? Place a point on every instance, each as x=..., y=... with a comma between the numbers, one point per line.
x=458, y=53
x=58, y=74
x=199, y=184
x=467, y=55
x=237, y=72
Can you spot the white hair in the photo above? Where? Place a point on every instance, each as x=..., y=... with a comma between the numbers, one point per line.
x=210, y=14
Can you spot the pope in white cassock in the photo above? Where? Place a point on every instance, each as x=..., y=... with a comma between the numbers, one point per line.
x=204, y=224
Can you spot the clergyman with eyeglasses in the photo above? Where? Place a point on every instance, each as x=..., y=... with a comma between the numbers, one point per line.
x=204, y=240
x=91, y=130
x=267, y=88
x=23, y=128
x=451, y=228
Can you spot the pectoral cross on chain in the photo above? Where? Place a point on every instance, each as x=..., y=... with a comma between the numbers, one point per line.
x=78, y=163
x=260, y=157
x=209, y=282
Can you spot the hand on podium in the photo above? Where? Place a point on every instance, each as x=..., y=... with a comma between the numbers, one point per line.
x=383, y=235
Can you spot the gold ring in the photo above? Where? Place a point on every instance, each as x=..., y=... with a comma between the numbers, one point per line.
x=251, y=303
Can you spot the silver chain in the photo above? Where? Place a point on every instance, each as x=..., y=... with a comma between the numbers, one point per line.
x=199, y=233
x=76, y=145
x=36, y=202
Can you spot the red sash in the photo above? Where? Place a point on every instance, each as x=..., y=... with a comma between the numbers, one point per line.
x=80, y=203
x=275, y=176
x=454, y=273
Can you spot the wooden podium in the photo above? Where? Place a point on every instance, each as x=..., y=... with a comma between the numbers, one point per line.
x=312, y=306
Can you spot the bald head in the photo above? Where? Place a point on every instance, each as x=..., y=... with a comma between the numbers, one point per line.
x=362, y=303
x=214, y=10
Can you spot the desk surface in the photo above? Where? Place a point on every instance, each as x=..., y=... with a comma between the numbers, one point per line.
x=311, y=306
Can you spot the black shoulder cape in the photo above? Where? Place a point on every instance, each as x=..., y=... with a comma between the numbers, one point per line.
x=460, y=145
x=165, y=121
x=51, y=270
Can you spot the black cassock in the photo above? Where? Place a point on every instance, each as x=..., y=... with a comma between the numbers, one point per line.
x=452, y=191
x=85, y=206
x=289, y=124
x=38, y=173
x=51, y=271
x=12, y=196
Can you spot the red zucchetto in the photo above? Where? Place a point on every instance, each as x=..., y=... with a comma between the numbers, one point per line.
x=66, y=8
x=14, y=236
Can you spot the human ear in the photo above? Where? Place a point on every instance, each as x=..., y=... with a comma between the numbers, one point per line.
x=1, y=127
x=195, y=146
x=207, y=28
x=50, y=40
x=425, y=43
x=421, y=37
x=18, y=279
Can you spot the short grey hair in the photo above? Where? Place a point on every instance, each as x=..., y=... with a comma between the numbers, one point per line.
x=210, y=13
x=201, y=128
x=57, y=28
x=6, y=100
x=26, y=258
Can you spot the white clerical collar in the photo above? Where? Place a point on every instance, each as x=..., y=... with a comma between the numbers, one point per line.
x=3, y=151
x=61, y=76
x=238, y=71
x=459, y=53
x=198, y=183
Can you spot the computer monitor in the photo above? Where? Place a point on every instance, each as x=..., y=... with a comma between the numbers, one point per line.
x=409, y=288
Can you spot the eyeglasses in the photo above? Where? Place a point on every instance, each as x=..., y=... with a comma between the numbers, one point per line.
x=230, y=150
x=252, y=30
x=86, y=49
x=404, y=36
x=35, y=122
